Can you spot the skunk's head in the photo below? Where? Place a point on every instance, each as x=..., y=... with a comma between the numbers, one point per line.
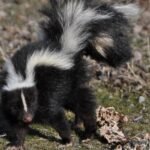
x=20, y=104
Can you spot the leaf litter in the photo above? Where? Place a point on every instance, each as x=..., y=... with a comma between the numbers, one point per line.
x=110, y=124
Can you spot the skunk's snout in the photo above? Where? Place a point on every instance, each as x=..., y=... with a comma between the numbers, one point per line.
x=27, y=118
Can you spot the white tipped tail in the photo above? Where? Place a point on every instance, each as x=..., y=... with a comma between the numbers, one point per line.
x=131, y=11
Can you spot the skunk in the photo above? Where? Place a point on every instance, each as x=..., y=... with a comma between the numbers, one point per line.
x=44, y=78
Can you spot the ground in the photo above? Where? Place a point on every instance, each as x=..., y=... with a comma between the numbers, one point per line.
x=126, y=88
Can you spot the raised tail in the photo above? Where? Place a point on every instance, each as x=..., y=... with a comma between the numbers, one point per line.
x=71, y=24
x=111, y=44
x=101, y=31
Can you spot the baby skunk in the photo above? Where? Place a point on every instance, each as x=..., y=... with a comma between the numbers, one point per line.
x=44, y=78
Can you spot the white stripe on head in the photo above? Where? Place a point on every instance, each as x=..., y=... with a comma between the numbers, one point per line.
x=25, y=107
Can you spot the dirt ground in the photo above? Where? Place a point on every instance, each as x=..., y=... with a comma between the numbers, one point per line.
x=126, y=88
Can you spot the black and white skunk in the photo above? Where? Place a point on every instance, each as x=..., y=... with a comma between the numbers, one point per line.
x=44, y=78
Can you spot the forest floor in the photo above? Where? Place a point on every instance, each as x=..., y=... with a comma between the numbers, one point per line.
x=127, y=89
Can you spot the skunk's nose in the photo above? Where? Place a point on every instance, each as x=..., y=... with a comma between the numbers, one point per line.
x=27, y=118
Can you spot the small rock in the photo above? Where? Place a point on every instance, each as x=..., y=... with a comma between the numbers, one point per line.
x=137, y=29
x=2, y=14
x=117, y=82
x=132, y=106
x=141, y=99
x=137, y=56
x=110, y=97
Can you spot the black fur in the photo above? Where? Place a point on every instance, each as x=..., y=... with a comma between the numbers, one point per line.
x=118, y=28
x=59, y=89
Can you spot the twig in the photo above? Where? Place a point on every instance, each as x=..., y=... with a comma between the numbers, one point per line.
x=135, y=76
x=148, y=47
x=3, y=54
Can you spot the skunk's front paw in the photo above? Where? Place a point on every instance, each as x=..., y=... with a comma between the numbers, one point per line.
x=64, y=146
x=66, y=142
x=12, y=147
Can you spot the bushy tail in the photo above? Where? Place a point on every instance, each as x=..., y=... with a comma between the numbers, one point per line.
x=71, y=24
x=99, y=30
x=111, y=44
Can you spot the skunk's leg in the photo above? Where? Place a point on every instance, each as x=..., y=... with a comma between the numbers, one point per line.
x=77, y=121
x=16, y=135
x=60, y=123
x=87, y=111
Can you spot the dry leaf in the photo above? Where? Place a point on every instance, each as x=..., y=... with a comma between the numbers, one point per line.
x=109, y=120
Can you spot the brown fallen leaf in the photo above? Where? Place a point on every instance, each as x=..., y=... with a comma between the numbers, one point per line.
x=108, y=121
